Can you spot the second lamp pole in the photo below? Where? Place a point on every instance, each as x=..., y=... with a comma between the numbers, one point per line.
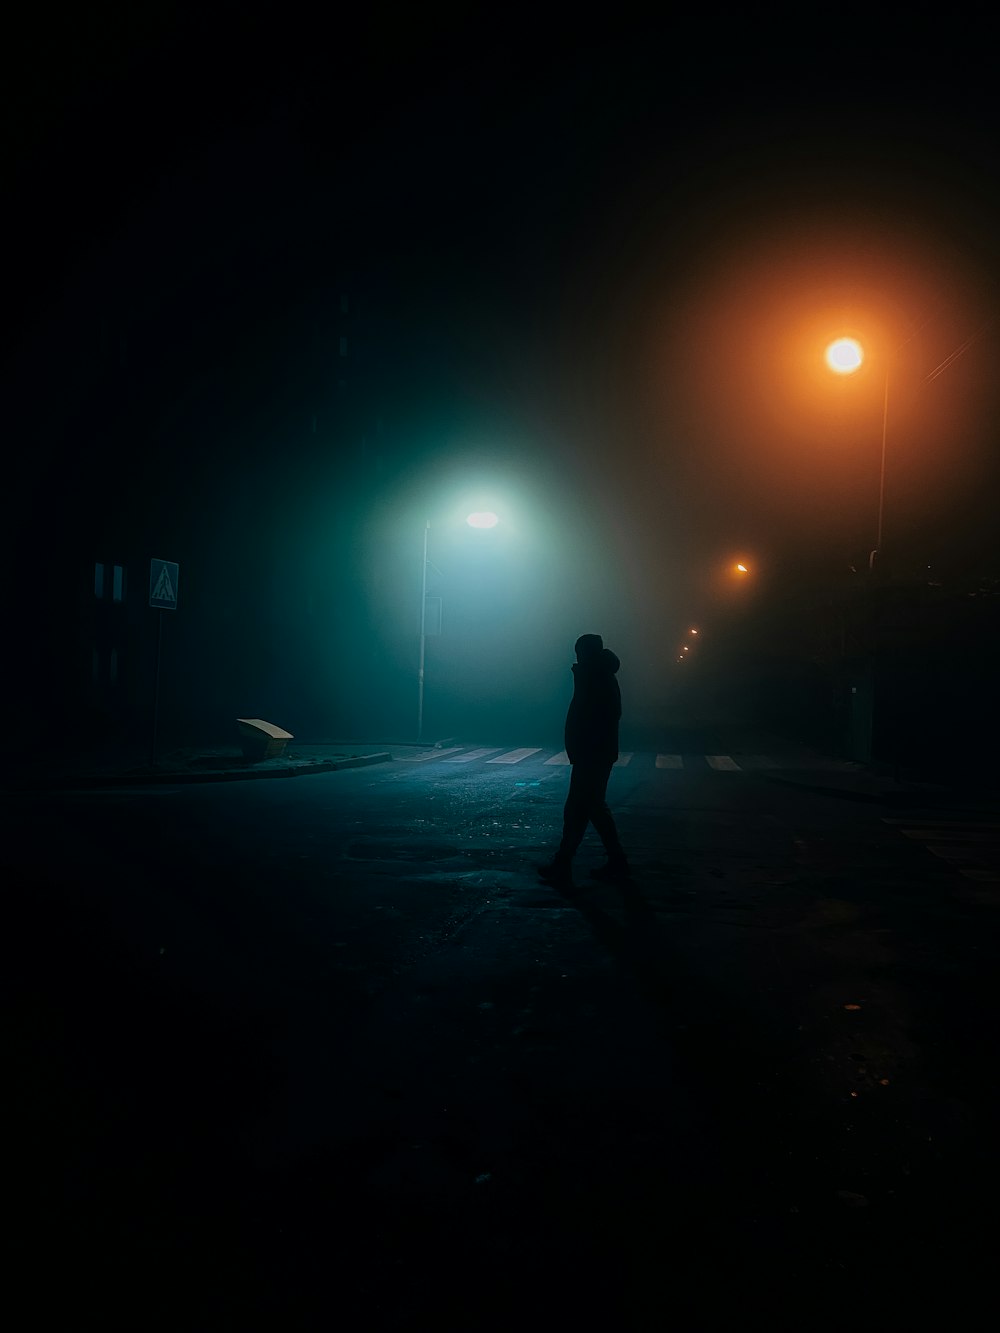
x=844, y=356
x=423, y=638
x=483, y=518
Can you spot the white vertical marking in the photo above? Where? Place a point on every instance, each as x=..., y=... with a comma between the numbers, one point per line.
x=430, y=754
x=513, y=756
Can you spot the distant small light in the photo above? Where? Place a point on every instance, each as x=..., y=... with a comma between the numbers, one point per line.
x=694, y=631
x=743, y=569
x=482, y=519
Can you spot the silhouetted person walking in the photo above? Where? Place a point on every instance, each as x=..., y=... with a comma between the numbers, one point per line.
x=591, y=740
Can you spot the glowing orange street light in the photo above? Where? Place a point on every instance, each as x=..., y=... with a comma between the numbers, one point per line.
x=844, y=356
x=692, y=631
x=742, y=569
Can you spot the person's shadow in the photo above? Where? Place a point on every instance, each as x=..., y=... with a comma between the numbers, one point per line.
x=635, y=942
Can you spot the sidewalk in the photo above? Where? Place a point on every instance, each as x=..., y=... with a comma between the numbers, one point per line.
x=879, y=783
x=123, y=765
x=805, y=765
x=882, y=784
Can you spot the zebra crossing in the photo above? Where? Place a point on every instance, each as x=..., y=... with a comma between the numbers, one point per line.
x=490, y=755
x=970, y=846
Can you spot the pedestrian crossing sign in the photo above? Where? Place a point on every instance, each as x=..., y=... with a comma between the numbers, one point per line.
x=163, y=584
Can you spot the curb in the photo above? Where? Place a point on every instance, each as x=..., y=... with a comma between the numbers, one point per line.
x=91, y=782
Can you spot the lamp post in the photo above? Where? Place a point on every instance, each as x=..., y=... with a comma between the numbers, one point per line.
x=844, y=356
x=423, y=637
x=483, y=518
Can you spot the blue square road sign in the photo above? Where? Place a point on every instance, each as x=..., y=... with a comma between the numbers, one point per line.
x=163, y=584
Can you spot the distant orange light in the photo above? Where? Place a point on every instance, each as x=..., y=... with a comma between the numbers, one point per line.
x=743, y=569
x=694, y=631
x=844, y=355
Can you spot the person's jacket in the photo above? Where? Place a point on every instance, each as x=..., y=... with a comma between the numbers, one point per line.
x=591, y=734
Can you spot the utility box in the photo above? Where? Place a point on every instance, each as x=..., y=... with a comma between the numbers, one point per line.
x=260, y=739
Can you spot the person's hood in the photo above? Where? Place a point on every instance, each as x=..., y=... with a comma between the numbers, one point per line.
x=603, y=661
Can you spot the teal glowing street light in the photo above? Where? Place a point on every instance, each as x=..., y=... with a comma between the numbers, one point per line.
x=480, y=518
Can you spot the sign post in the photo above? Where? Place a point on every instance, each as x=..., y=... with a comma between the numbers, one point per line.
x=162, y=597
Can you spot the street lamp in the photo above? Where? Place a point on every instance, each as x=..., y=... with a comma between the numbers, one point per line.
x=844, y=356
x=482, y=518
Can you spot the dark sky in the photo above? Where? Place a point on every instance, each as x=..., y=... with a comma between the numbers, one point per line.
x=606, y=256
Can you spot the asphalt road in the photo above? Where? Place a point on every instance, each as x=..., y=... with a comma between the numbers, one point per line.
x=325, y=1051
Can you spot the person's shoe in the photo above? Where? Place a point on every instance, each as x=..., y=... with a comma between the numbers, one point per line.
x=557, y=873
x=615, y=872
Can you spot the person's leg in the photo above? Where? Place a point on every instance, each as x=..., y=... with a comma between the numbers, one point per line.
x=575, y=814
x=574, y=827
x=603, y=820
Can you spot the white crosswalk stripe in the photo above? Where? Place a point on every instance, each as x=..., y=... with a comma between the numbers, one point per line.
x=563, y=758
x=513, y=756
x=428, y=754
x=691, y=763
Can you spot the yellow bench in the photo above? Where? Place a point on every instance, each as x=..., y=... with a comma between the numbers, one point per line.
x=260, y=739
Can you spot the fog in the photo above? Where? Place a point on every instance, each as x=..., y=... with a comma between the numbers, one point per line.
x=274, y=328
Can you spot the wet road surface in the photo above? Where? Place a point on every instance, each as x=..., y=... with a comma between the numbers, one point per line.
x=295, y=1052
